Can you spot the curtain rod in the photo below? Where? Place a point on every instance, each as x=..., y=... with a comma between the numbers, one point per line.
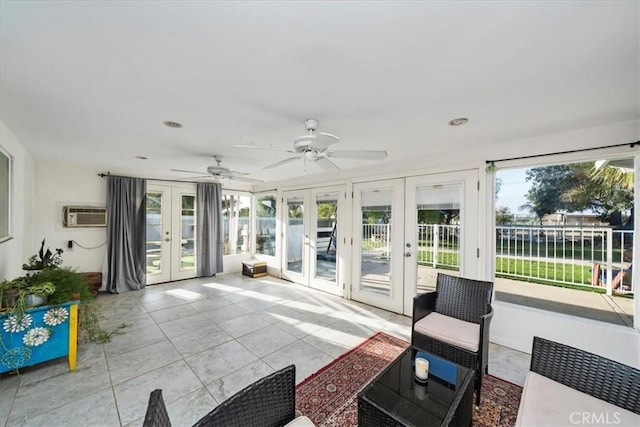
x=630, y=144
x=102, y=175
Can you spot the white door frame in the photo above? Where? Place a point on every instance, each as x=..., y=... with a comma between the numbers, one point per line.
x=393, y=301
x=468, y=239
x=171, y=237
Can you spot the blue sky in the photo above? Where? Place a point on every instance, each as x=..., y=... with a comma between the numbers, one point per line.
x=513, y=190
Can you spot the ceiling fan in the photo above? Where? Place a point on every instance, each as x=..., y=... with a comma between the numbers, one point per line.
x=218, y=172
x=314, y=147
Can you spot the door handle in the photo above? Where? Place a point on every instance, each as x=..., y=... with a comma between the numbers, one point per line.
x=407, y=254
x=167, y=239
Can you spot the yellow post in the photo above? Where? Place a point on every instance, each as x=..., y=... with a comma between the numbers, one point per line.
x=73, y=336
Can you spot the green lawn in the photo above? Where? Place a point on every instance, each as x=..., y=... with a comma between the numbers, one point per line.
x=560, y=250
x=542, y=272
x=444, y=258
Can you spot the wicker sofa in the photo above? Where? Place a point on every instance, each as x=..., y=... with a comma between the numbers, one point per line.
x=569, y=386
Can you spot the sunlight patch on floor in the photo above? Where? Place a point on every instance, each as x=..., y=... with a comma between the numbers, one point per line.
x=183, y=294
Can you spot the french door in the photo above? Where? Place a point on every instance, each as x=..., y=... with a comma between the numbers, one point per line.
x=407, y=230
x=313, y=237
x=170, y=233
x=378, y=234
x=441, y=230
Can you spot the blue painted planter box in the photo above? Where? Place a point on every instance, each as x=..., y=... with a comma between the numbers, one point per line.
x=44, y=333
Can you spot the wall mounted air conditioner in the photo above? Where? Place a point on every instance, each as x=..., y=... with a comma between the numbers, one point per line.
x=84, y=216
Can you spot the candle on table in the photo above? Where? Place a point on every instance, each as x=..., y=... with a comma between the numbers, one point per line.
x=422, y=368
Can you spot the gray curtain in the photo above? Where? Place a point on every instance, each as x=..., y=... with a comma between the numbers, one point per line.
x=209, y=228
x=126, y=234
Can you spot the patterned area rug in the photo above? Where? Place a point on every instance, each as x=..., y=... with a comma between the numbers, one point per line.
x=329, y=397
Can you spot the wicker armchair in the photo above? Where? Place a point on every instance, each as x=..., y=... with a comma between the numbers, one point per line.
x=156, y=415
x=597, y=376
x=269, y=402
x=456, y=299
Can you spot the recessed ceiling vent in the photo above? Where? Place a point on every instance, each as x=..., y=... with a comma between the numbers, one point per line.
x=458, y=122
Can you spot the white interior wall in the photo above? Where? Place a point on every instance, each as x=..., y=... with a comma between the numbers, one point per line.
x=59, y=184
x=514, y=326
x=14, y=252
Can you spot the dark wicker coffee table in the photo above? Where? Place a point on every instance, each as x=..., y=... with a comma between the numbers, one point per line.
x=393, y=398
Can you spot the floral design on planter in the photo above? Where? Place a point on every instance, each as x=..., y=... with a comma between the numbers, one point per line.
x=16, y=323
x=36, y=337
x=16, y=357
x=55, y=316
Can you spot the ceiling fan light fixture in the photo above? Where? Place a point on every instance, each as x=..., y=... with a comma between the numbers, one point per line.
x=172, y=124
x=458, y=122
x=311, y=124
x=314, y=147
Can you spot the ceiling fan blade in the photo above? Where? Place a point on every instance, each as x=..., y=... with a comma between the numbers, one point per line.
x=243, y=179
x=281, y=162
x=327, y=164
x=363, y=154
x=329, y=135
x=262, y=147
x=236, y=173
x=182, y=170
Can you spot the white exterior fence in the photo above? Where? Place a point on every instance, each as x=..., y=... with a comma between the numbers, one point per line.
x=586, y=256
x=598, y=257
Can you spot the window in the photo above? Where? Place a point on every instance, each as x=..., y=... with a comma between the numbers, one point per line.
x=564, y=238
x=265, y=212
x=5, y=195
x=236, y=226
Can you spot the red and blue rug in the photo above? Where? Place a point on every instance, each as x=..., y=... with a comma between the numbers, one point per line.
x=329, y=397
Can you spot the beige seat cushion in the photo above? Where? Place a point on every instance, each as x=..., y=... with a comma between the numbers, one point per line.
x=450, y=330
x=545, y=402
x=301, y=421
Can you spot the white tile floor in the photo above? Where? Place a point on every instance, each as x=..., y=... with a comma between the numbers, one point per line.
x=200, y=341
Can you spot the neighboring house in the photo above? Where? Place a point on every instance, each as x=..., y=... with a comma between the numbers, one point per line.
x=573, y=220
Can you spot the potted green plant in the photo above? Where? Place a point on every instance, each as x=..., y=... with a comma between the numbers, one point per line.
x=38, y=293
x=44, y=259
x=30, y=335
x=9, y=290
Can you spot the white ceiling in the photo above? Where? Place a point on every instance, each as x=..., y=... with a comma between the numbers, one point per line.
x=93, y=81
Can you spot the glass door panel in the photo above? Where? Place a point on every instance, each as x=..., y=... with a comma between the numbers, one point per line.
x=325, y=237
x=295, y=234
x=296, y=237
x=183, y=263
x=378, y=238
x=187, y=239
x=437, y=209
x=265, y=208
x=156, y=257
x=327, y=234
x=375, y=250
